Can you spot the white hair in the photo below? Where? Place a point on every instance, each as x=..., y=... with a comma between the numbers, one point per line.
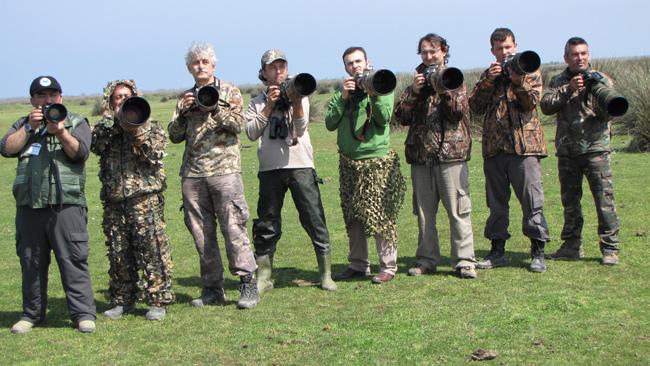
x=200, y=49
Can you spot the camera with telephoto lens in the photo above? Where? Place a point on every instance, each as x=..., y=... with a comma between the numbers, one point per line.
x=278, y=127
x=134, y=111
x=301, y=85
x=207, y=97
x=522, y=63
x=55, y=112
x=376, y=82
x=607, y=98
x=443, y=79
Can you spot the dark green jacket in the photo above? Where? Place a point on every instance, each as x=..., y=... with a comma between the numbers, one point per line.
x=51, y=177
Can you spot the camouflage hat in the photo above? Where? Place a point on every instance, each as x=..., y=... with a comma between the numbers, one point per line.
x=271, y=55
x=110, y=88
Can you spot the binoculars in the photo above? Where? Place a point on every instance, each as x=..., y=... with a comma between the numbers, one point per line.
x=449, y=78
x=207, y=97
x=607, y=98
x=134, y=111
x=278, y=128
x=521, y=63
x=379, y=82
x=301, y=85
x=55, y=112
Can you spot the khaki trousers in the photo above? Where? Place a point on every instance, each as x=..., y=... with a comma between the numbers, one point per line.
x=447, y=183
x=358, y=256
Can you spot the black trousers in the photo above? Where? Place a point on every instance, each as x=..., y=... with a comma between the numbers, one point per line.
x=267, y=228
x=61, y=229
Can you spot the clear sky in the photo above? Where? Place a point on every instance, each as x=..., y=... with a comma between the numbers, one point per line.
x=85, y=43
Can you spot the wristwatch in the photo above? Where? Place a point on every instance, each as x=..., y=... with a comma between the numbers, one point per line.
x=28, y=128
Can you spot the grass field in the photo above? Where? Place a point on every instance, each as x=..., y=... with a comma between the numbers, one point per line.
x=576, y=313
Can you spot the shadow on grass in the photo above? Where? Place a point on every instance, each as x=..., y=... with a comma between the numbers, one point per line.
x=57, y=315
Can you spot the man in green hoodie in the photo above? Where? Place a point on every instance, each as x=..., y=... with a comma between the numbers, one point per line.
x=371, y=184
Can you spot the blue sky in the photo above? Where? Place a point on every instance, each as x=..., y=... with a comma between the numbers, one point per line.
x=86, y=43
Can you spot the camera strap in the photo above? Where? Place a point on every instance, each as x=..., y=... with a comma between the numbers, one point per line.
x=351, y=106
x=53, y=172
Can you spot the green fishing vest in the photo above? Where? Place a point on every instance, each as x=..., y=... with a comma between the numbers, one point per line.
x=37, y=183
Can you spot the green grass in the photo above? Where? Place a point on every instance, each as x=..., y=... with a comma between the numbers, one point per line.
x=576, y=313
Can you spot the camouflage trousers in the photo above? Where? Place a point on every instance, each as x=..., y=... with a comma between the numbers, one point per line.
x=137, y=241
x=596, y=168
x=206, y=201
x=372, y=193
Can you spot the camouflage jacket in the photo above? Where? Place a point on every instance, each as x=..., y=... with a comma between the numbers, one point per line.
x=582, y=127
x=127, y=170
x=439, y=128
x=211, y=138
x=510, y=124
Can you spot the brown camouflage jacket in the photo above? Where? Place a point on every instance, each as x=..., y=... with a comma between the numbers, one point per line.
x=582, y=126
x=439, y=128
x=511, y=124
x=211, y=138
x=127, y=170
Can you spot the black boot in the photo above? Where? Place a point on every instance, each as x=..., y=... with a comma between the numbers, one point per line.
x=537, y=252
x=496, y=257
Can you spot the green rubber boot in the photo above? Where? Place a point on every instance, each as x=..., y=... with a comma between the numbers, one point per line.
x=264, y=270
x=325, y=270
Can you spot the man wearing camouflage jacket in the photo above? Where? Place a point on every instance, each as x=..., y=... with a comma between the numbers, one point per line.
x=513, y=144
x=212, y=185
x=438, y=147
x=582, y=141
x=133, y=180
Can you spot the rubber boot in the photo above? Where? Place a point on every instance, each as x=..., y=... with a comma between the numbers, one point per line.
x=264, y=271
x=325, y=270
x=537, y=252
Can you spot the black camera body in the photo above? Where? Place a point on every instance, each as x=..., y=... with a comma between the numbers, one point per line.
x=606, y=97
x=55, y=112
x=278, y=127
x=443, y=79
x=591, y=78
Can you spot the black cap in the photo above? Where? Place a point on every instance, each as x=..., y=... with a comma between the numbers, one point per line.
x=44, y=83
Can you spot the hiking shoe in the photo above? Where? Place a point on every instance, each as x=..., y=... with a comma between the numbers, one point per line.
x=537, y=264
x=466, y=272
x=492, y=260
x=382, y=277
x=610, y=259
x=22, y=326
x=420, y=270
x=210, y=297
x=156, y=313
x=117, y=311
x=248, y=295
x=86, y=326
x=567, y=251
x=349, y=274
